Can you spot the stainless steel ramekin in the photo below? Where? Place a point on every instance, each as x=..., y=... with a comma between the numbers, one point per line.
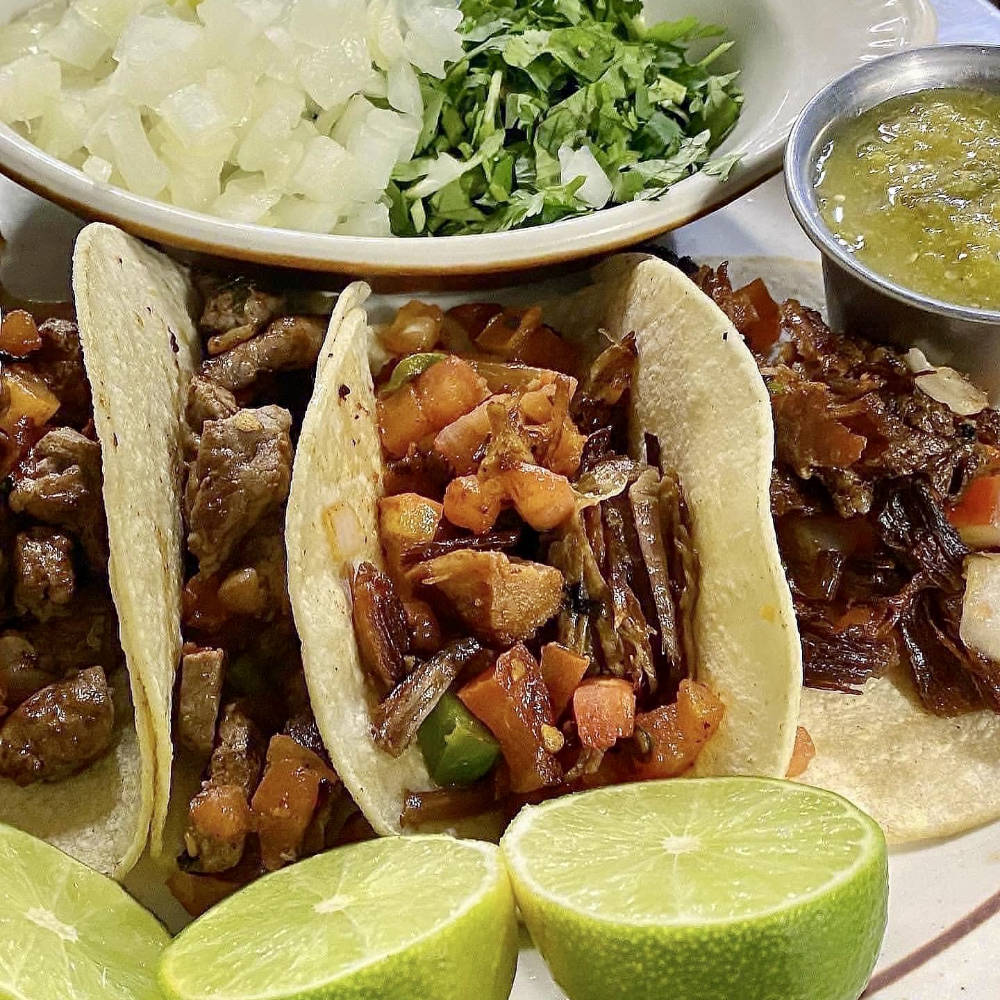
x=858, y=298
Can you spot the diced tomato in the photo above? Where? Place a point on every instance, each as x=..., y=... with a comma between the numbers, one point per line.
x=220, y=812
x=473, y=503
x=762, y=332
x=542, y=497
x=28, y=397
x=511, y=700
x=604, y=709
x=437, y=396
x=448, y=389
x=677, y=732
x=461, y=440
x=401, y=419
x=286, y=799
x=415, y=328
x=404, y=520
x=802, y=753
x=562, y=671
x=977, y=513
x=19, y=334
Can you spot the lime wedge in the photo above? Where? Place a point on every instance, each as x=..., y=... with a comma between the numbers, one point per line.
x=396, y=919
x=66, y=931
x=707, y=889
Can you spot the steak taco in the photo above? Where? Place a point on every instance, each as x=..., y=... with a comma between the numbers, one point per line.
x=886, y=500
x=80, y=558
x=530, y=551
x=253, y=788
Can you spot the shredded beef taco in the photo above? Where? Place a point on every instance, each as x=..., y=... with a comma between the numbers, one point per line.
x=81, y=566
x=886, y=500
x=530, y=551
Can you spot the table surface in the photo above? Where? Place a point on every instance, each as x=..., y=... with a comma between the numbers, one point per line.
x=945, y=922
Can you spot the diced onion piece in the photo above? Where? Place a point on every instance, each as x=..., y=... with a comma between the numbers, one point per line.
x=980, y=629
x=344, y=532
x=596, y=188
x=945, y=385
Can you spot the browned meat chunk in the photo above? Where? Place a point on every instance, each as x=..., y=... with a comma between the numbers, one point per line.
x=60, y=484
x=380, y=626
x=207, y=401
x=20, y=674
x=198, y=699
x=44, y=581
x=242, y=473
x=289, y=343
x=86, y=635
x=59, y=730
x=500, y=599
x=303, y=729
x=239, y=751
x=59, y=363
x=238, y=303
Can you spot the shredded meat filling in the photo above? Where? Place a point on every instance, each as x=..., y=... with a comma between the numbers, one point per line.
x=866, y=466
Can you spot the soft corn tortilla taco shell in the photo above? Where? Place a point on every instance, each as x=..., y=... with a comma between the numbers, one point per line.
x=140, y=346
x=918, y=774
x=694, y=373
x=699, y=390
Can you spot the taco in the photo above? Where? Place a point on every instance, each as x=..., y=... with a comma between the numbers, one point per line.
x=80, y=563
x=530, y=551
x=886, y=500
x=252, y=787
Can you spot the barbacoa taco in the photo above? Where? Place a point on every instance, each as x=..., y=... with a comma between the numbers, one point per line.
x=80, y=564
x=886, y=501
x=253, y=788
x=530, y=550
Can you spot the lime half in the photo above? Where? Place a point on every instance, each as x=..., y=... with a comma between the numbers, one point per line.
x=406, y=918
x=66, y=931
x=711, y=889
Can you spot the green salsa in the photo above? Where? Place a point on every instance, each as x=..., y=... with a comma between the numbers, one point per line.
x=912, y=188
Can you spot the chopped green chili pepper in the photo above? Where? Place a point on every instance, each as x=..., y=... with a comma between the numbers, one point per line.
x=410, y=367
x=458, y=748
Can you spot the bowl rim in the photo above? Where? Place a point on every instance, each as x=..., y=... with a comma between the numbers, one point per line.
x=453, y=258
x=819, y=116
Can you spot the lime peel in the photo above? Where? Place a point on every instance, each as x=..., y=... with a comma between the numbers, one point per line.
x=702, y=890
x=382, y=919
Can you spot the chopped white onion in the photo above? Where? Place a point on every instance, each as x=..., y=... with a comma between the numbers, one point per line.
x=257, y=110
x=945, y=385
x=596, y=188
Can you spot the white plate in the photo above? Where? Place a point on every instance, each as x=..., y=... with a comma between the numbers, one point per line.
x=944, y=897
x=787, y=50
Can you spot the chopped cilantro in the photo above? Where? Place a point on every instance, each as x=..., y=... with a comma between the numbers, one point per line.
x=547, y=83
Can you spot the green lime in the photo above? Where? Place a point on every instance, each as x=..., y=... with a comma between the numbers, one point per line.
x=405, y=918
x=66, y=931
x=706, y=889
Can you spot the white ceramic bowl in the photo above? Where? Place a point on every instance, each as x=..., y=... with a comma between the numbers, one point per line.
x=787, y=50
